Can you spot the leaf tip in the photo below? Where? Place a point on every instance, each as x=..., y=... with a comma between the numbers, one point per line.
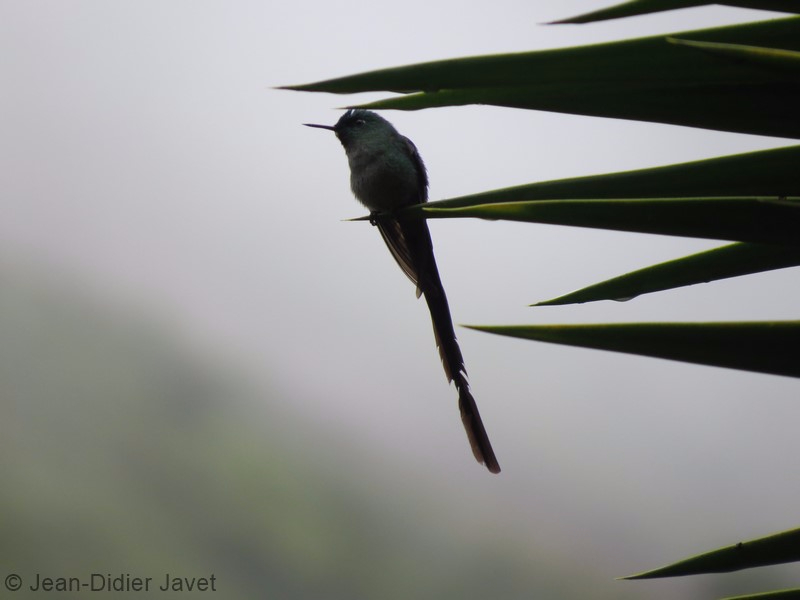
x=300, y=87
x=543, y=303
x=484, y=328
x=653, y=573
x=560, y=22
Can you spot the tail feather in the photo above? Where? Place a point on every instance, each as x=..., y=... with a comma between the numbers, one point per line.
x=411, y=246
x=476, y=433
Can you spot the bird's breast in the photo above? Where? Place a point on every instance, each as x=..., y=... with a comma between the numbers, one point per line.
x=382, y=181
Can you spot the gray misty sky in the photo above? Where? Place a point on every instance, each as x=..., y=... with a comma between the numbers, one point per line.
x=146, y=156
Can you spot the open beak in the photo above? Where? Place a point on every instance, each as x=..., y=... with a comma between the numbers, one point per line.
x=331, y=127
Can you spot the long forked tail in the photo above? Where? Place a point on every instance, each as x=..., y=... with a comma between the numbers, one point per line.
x=410, y=243
x=455, y=370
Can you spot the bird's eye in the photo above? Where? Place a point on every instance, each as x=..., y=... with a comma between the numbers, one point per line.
x=360, y=121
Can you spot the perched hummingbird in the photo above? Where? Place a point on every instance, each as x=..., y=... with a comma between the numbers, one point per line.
x=387, y=175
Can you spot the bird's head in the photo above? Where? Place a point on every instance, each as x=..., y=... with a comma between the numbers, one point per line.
x=358, y=125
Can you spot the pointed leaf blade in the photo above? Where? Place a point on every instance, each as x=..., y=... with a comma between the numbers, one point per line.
x=765, y=347
x=646, y=79
x=770, y=58
x=733, y=260
x=763, y=173
x=792, y=594
x=771, y=550
x=629, y=9
x=642, y=7
x=760, y=220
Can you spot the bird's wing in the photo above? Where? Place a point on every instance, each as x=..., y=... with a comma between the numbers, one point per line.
x=392, y=234
x=392, y=230
x=422, y=172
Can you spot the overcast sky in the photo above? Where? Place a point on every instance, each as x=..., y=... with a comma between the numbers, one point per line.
x=146, y=157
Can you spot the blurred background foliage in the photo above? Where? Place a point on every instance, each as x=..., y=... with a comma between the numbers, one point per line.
x=127, y=451
x=124, y=451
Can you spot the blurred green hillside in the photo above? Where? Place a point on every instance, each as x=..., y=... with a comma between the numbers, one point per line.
x=124, y=451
